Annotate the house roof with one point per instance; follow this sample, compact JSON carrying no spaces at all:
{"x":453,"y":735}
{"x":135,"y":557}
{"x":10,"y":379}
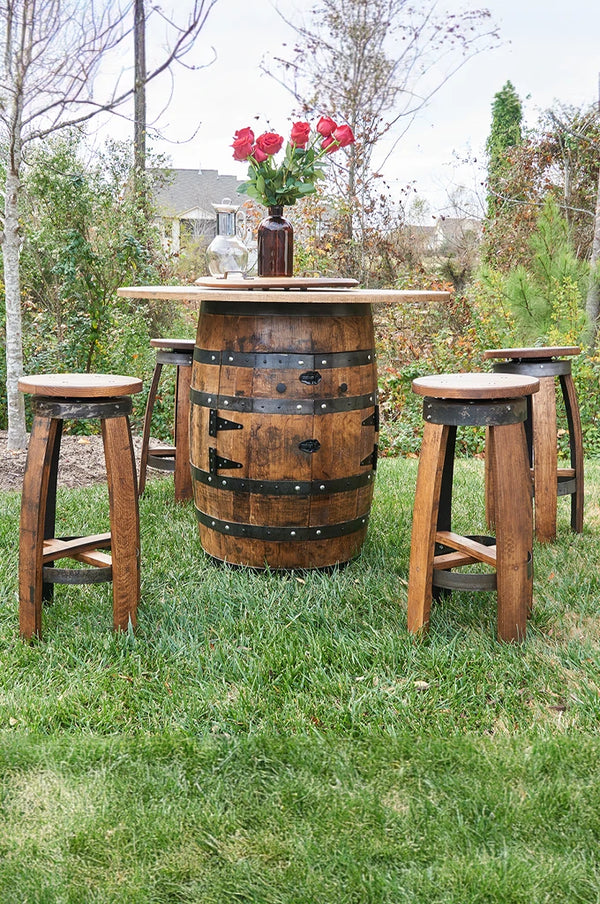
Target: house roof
{"x":189,"y":193}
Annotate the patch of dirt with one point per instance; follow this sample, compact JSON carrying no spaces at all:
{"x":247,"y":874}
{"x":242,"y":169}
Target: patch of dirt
{"x":81,"y":462}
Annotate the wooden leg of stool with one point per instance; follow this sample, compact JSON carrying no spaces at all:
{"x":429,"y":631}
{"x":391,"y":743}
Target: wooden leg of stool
{"x":146,"y":428}
{"x":490,"y":499}
{"x":576,"y":447}
{"x":424,"y":527}
{"x":50,"y":518}
{"x":514,"y":530}
{"x":545,"y":459}
{"x":33,"y":521}
{"x":124,"y":520}
{"x":183,"y":475}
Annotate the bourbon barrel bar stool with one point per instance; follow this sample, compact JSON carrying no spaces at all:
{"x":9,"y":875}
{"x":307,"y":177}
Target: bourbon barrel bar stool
{"x":496,"y":401}
{"x":55,"y":398}
{"x":549,"y":480}
{"x":175,"y":458}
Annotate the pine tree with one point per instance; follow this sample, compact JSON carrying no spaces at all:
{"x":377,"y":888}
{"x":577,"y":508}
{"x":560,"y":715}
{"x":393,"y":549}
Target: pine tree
{"x":505,"y":133}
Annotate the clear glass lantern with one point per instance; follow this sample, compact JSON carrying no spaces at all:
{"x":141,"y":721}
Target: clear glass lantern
{"x":227,"y":253}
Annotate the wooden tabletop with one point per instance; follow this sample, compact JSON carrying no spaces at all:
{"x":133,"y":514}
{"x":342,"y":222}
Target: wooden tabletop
{"x":285,"y":296}
{"x":535,"y":353}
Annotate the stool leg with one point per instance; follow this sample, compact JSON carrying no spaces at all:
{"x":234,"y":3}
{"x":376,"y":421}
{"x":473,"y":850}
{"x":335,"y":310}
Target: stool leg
{"x":576,"y":448}
{"x":146,"y":427}
{"x":514,"y":530}
{"x":36,"y":479}
{"x":50,"y":518}
{"x":424,"y":527}
{"x":545,"y":459}
{"x":444,"y":516}
{"x":489,"y":492}
{"x":124,"y":520}
{"x":183,"y":475}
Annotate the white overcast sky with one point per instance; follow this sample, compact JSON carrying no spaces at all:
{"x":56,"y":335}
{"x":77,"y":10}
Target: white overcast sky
{"x":550,"y":52}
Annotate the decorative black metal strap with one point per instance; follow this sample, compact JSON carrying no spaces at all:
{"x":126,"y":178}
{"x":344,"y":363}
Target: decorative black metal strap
{"x":460,"y":580}
{"x":372,"y":458}
{"x":161,"y":462}
{"x":489,"y":413}
{"x":283,"y":487}
{"x":178,"y":357}
{"x":217,"y":462}
{"x":216,"y":423}
{"x":548,"y":368}
{"x":566,"y":486}
{"x":93,"y":575}
{"x":307,"y":309}
{"x":285,"y":360}
{"x":76,"y":575}
{"x":80,"y":409}
{"x":373,"y":419}
{"x":282,"y":534}
{"x":259,"y":405}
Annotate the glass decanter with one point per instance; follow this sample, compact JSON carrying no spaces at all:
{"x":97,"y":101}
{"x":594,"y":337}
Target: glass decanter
{"x":227,"y":253}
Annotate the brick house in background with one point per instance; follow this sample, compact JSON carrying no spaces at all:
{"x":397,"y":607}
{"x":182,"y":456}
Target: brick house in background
{"x":184,"y":199}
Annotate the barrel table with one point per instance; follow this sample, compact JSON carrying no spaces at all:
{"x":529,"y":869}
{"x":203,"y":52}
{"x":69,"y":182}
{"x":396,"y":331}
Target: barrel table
{"x":284,"y":417}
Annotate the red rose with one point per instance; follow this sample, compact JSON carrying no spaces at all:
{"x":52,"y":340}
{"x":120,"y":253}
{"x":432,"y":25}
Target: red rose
{"x":244,"y":135}
{"x":242,"y":145}
{"x":269,"y":143}
{"x":344,"y":136}
{"x":326,"y":126}
{"x":258,"y":155}
{"x":329,"y":144}
{"x":300,"y":134}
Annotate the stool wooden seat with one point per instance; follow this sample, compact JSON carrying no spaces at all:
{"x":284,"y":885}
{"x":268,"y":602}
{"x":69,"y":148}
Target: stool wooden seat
{"x":549,"y":481}
{"x":57,"y":397}
{"x":176,"y":458}
{"x":497,"y":401}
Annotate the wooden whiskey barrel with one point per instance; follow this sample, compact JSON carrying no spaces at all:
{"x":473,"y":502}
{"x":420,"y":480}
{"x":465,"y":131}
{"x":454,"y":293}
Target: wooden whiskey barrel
{"x":284,"y":423}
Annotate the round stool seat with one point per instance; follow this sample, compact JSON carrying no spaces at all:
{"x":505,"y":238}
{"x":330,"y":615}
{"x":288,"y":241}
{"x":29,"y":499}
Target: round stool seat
{"x":474,"y":386}
{"x":79,"y":386}
{"x":184,"y":345}
{"x":533,"y":354}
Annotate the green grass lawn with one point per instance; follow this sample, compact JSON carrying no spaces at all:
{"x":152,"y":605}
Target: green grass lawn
{"x":281,"y":738}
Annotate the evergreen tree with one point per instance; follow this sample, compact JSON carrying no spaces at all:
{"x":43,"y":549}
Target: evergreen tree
{"x":505,"y":133}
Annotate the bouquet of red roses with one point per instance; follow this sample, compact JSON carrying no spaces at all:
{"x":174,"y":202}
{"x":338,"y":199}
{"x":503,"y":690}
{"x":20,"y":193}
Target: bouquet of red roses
{"x":302,"y":166}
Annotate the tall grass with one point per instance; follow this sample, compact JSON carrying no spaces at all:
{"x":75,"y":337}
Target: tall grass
{"x":281,"y":738}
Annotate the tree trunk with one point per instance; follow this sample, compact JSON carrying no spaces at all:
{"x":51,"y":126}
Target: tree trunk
{"x":17,"y":434}
{"x":139,"y":139}
{"x":592,"y":305}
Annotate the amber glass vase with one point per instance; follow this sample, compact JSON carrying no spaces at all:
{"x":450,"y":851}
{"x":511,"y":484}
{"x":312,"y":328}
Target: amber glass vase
{"x":275,"y":245}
